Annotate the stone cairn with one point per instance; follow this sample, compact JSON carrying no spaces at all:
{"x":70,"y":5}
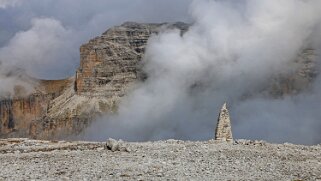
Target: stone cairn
{"x":223,"y":130}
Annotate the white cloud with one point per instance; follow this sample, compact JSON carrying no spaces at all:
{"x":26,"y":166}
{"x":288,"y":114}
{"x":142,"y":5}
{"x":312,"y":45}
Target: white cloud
{"x":229,"y":54}
{"x":40,"y":52}
{"x":43,"y":48}
{"x":43,"y":36}
{"x":9,"y":3}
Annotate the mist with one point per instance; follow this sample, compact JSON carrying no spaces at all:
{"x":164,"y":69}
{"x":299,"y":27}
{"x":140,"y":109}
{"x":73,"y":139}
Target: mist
{"x":8,"y":3}
{"x":231,"y":53}
{"x":41,"y":38}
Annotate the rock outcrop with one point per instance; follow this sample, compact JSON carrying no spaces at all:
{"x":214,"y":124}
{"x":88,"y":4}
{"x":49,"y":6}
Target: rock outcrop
{"x":18,"y":115}
{"x":304,"y":72}
{"x":223,"y":131}
{"x":109,"y":65}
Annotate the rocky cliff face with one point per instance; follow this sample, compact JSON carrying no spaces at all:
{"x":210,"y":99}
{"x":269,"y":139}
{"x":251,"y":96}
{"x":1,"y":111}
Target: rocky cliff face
{"x":110,"y":62}
{"x":18,"y":114}
{"x":109,"y":65}
{"x":304,"y":72}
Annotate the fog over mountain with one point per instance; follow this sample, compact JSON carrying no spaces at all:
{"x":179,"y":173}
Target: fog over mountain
{"x":43,"y":36}
{"x":231,"y":53}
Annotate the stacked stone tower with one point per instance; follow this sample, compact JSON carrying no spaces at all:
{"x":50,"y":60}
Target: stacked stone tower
{"x":223,"y":130}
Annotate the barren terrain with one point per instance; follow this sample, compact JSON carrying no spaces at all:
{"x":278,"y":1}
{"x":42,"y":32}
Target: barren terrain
{"x":24,"y":159}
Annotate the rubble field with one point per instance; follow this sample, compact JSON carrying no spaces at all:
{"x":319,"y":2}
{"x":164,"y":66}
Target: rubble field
{"x":24,"y":159}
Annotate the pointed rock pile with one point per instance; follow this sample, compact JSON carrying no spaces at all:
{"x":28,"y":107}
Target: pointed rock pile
{"x":223,"y":130}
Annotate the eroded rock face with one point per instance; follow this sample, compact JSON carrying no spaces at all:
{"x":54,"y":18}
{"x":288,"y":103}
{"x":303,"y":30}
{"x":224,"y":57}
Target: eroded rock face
{"x":304,"y":72}
{"x":18,"y":115}
{"x":109,"y":65}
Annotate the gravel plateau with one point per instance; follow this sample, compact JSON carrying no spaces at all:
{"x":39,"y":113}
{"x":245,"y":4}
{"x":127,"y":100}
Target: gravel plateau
{"x":25,"y":159}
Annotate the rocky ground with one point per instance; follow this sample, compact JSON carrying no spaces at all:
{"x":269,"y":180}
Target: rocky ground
{"x":24,"y":159}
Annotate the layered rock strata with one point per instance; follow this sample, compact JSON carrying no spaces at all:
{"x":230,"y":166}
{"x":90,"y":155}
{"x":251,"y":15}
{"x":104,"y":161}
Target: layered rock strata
{"x":109,"y":64}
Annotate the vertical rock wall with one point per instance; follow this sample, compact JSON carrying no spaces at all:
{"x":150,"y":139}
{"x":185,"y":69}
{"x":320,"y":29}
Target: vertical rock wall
{"x":17,"y":114}
{"x":109,"y":63}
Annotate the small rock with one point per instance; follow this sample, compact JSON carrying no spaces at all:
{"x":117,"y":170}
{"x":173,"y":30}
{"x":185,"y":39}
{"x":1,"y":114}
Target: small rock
{"x":99,"y":149}
{"x":115,"y":145}
{"x":111,"y":144}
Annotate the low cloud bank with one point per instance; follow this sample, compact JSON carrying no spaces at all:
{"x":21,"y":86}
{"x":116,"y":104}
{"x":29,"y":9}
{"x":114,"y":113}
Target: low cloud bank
{"x":42,"y":38}
{"x":233,"y":51}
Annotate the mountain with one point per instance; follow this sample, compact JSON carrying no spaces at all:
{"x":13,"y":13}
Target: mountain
{"x":110,"y":65}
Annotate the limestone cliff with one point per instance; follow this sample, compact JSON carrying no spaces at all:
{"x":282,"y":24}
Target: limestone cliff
{"x":304,"y":72}
{"x":18,"y":114}
{"x":109,"y":64}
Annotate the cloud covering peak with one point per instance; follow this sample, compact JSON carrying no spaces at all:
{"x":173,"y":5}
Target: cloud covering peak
{"x":232,"y":52}
{"x":43,"y":37}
